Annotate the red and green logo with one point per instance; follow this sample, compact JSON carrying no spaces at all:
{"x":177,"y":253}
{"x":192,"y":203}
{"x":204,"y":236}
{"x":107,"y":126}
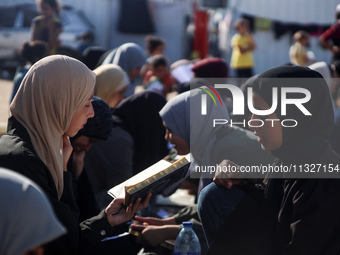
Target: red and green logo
{"x":204,"y":98}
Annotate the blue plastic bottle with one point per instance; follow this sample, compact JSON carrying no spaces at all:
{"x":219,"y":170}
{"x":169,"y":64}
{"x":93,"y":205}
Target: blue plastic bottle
{"x":187,"y":242}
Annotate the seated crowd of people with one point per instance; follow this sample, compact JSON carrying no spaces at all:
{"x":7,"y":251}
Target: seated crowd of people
{"x":74,"y":134}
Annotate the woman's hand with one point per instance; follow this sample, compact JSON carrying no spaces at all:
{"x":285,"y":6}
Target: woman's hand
{"x":155,"y":221}
{"x":155,"y":235}
{"x":67,"y":151}
{"x":226,"y":178}
{"x":117,"y":213}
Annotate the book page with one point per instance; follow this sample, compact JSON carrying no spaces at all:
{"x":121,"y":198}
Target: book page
{"x":119,"y":190}
{"x":155,"y":177}
{"x":183,"y":73}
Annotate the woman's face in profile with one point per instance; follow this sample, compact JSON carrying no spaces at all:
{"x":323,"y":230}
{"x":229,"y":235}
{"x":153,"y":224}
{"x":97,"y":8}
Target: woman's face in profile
{"x":79,"y":119}
{"x":179,"y":143}
{"x":133,"y":73}
{"x":270,"y":133}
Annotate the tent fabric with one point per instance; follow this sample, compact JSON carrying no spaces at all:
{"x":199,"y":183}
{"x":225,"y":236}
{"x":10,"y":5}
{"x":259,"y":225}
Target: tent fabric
{"x":302,"y":11}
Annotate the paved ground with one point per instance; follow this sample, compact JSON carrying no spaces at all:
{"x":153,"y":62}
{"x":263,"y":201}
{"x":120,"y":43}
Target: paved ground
{"x":5,"y":93}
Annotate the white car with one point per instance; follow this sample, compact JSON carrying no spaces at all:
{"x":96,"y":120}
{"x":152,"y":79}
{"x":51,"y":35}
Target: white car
{"x":15,"y":24}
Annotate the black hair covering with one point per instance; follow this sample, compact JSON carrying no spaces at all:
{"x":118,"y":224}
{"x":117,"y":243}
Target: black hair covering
{"x":139,"y":115}
{"x":100,"y":125}
{"x":308,"y":139}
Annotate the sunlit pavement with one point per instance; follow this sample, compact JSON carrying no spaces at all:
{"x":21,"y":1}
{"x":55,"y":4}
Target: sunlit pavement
{"x":5,"y":93}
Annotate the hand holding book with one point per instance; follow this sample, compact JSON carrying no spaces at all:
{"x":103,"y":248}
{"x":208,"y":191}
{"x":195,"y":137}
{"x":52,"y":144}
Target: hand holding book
{"x":116,"y":213}
{"x":152,"y":180}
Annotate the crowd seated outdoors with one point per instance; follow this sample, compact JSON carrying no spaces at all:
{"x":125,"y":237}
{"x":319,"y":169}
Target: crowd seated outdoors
{"x":74,"y":134}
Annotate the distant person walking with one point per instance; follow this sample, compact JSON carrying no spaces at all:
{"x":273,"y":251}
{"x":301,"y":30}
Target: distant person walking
{"x":47,"y":27}
{"x":243,"y":46}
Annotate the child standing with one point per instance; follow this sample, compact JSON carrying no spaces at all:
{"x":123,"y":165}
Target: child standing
{"x":243,"y":46}
{"x":298,"y":52}
{"x":155,"y":46}
{"x":47,"y":27}
{"x":160,"y":69}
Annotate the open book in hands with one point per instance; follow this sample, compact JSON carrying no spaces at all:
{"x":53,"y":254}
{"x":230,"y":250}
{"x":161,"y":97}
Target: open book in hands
{"x":152,"y":180}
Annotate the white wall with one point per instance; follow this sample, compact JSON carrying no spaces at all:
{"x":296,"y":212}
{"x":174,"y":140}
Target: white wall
{"x":97,"y":12}
{"x":169,"y":24}
{"x":103,"y":14}
{"x":271,"y":52}
{"x":305,"y":11}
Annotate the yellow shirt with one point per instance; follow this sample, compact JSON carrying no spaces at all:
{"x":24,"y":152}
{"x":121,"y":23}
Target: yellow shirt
{"x":239,"y":60}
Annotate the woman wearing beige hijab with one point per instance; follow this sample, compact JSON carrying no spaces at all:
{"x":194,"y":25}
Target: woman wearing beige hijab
{"x":111,"y":83}
{"x":52,"y":104}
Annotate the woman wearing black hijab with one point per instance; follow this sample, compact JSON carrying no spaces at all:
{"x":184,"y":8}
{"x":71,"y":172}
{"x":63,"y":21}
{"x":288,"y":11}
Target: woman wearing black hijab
{"x":135,"y":143}
{"x":298,"y":213}
{"x":138,"y":115}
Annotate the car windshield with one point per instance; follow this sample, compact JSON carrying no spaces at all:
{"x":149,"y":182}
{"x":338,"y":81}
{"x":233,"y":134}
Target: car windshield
{"x":73,"y":20}
{"x":7,"y":16}
{"x":29,"y":15}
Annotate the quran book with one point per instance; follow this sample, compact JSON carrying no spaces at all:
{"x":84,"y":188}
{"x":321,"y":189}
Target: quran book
{"x":153,"y":180}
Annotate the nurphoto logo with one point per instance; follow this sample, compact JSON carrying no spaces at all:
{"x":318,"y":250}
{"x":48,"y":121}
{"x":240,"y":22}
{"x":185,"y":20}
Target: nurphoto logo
{"x":204,"y":98}
{"x":238,"y":102}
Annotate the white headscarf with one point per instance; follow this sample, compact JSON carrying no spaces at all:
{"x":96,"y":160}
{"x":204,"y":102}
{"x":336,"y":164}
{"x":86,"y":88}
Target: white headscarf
{"x":182,"y":114}
{"x":27,"y":219}
{"x":52,"y":91}
{"x":324,"y":69}
{"x":110,"y":78}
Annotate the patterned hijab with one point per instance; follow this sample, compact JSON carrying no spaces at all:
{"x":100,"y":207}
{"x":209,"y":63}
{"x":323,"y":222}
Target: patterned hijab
{"x":53,"y":90}
{"x":27,"y":219}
